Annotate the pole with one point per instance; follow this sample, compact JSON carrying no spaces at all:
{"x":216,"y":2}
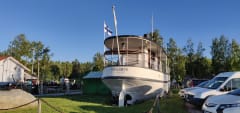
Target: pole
{"x":38,"y":77}
{"x":32,"y":59}
{"x":115,"y":23}
{"x":150,"y":54}
{"x":152,"y":25}
{"x":151,"y":45}
{"x":112,"y":51}
{"x":104,"y":44}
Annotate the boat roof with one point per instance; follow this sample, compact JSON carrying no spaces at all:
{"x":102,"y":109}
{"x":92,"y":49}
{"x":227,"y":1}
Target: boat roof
{"x":134,"y":43}
{"x":95,"y":74}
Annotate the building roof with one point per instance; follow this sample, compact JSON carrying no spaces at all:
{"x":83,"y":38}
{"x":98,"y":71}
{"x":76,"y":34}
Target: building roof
{"x":96,"y":74}
{"x":29,"y":76}
{"x":3,"y":57}
{"x":14,"y":60}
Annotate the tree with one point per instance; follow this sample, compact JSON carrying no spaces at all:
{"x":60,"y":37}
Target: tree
{"x":75,"y":69}
{"x":98,"y":62}
{"x":20,"y":48}
{"x":66,"y":68}
{"x":177,"y":61}
{"x":179,"y":66}
{"x":172,"y":53}
{"x":202,"y":65}
{"x":189,"y":51}
{"x":156,"y":37}
{"x":41,"y":55}
{"x":235,"y":56}
{"x":85,"y":68}
{"x":220,"y":51}
{"x":200,"y":50}
{"x":44,"y":63}
{"x":25,"y":51}
{"x":55,"y":70}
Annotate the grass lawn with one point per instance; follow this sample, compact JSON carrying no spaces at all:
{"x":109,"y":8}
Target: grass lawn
{"x":100,"y":104}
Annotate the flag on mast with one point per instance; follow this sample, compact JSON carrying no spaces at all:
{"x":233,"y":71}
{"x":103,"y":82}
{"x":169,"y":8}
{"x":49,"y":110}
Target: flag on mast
{"x":107,"y":29}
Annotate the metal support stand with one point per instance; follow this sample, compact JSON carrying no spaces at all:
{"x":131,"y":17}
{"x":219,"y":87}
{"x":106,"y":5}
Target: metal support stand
{"x":121,"y":99}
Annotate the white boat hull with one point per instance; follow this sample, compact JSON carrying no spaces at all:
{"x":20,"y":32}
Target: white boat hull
{"x":136,"y":82}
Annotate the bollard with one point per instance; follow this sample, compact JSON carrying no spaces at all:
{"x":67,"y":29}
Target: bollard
{"x":39,"y":106}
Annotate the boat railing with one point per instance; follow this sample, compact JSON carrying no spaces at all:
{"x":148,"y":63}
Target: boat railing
{"x":116,"y":63}
{"x":131,"y":61}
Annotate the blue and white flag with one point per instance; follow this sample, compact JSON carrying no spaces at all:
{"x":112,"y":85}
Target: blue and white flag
{"x":107,"y":30}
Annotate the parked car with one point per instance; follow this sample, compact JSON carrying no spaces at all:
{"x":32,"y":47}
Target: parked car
{"x":227,"y":103}
{"x":220,"y":84}
{"x":196,"y":82}
{"x":182,"y":92}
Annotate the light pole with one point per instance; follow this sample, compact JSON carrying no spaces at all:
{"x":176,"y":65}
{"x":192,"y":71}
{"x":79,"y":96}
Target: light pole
{"x":38,"y":81}
{"x":32,"y":59}
{"x":40,"y":92}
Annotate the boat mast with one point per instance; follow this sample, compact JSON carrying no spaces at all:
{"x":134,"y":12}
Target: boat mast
{"x":151,"y":45}
{"x":152,"y":25}
{"x":115,"y":23}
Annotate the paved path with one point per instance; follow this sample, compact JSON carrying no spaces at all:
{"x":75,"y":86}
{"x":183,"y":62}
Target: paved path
{"x":60,"y":94}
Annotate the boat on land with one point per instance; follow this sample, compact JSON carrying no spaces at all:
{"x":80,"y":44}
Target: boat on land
{"x":136,"y":69}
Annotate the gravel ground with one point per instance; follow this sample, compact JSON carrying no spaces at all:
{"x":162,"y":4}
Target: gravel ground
{"x":15,"y":97}
{"x":192,"y":108}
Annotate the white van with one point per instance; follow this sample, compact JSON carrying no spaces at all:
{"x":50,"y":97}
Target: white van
{"x":220,"y":84}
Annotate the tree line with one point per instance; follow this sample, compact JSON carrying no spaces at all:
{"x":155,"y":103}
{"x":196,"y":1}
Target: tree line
{"x":183,"y":62}
{"x":34,"y":54}
{"x":190,"y":62}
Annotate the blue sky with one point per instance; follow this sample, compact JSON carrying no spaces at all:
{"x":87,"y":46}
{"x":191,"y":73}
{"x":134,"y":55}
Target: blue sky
{"x":73,"y":29}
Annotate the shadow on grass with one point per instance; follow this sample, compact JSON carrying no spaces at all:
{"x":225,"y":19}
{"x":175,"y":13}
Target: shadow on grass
{"x":86,"y":98}
{"x":137,"y":108}
{"x":101,"y":104}
{"x":73,"y":103}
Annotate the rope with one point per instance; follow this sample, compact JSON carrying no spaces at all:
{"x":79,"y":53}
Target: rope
{"x":32,"y":102}
{"x":20,"y":105}
{"x":51,"y":106}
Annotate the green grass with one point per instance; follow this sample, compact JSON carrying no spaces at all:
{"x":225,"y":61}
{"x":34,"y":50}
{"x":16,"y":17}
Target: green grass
{"x":100,"y":104}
